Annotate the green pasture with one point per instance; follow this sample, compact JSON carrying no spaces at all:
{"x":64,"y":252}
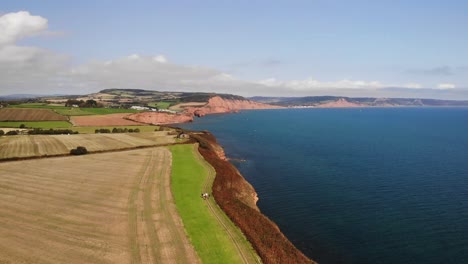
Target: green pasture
{"x":36,"y":124}
{"x":210,"y":240}
{"x":75,"y":111}
{"x":160,"y":105}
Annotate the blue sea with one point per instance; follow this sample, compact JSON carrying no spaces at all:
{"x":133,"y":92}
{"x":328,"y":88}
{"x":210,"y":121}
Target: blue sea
{"x":371,"y":185}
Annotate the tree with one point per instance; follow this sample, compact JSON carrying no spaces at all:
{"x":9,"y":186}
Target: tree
{"x":79,"y":151}
{"x":136,"y":130}
{"x":2,"y":132}
{"x":90,"y":103}
{"x":22,"y":126}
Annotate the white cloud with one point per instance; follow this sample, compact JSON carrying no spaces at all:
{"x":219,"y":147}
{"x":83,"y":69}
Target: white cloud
{"x":36,"y":70}
{"x":15,"y":26}
{"x":312,"y":84}
{"x":160,"y":59}
{"x":444,"y":86}
{"x":413,"y":86}
{"x":22,"y":67}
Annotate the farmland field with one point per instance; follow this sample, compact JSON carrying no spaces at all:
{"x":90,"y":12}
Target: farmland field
{"x":160,"y":105}
{"x":25,"y":114}
{"x":103,"y":120}
{"x":40,"y":145}
{"x":91,"y":209}
{"x":36,"y":124}
{"x":74,"y":111}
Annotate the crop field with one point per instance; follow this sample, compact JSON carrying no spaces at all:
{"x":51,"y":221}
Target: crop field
{"x":41,"y":145}
{"x":25,"y":114}
{"x":36,"y":124}
{"x":214,"y":236}
{"x":102,"y":208}
{"x":103,"y":120}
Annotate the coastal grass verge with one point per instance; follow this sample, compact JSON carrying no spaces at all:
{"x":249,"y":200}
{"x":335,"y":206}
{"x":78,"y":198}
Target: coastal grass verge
{"x":207,"y":234}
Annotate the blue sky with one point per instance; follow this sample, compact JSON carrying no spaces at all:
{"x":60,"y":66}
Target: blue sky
{"x":294,"y":48}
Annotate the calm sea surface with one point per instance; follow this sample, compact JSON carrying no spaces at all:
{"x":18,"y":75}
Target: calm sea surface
{"x":357,"y":185}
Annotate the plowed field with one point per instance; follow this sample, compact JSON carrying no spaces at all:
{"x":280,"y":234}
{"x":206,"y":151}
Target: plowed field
{"x":23,"y":114}
{"x":104,"y":208}
{"x":103,"y":120}
{"x":40,"y":145}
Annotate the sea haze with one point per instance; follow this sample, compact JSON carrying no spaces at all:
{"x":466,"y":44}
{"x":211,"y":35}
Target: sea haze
{"x":370,"y":185}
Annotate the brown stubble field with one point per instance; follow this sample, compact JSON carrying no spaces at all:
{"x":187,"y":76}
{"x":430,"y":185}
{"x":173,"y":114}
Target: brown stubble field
{"x":25,"y":114}
{"x":103,"y":120}
{"x":40,"y":145}
{"x":91,"y":209}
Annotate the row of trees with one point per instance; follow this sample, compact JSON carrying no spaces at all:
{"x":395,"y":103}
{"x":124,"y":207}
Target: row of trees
{"x":117,"y":130}
{"x":80,"y":103}
{"x":9,"y":133}
{"x":40,"y":131}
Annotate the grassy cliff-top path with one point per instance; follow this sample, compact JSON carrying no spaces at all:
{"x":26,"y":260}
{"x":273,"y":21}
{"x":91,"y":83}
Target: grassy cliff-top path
{"x":215,"y":238}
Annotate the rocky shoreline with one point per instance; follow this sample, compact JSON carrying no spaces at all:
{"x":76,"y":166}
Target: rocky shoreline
{"x":238,"y":200}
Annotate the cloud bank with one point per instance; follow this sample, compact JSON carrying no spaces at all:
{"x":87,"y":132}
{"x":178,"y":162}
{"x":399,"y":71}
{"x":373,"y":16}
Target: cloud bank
{"x":26,"y":69}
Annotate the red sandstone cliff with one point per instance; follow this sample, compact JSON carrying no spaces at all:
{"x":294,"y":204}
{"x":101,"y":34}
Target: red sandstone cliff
{"x":218,"y":105}
{"x":238,"y":200}
{"x":215,"y":105}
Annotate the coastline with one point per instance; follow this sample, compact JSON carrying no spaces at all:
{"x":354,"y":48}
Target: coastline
{"x":237,"y":198}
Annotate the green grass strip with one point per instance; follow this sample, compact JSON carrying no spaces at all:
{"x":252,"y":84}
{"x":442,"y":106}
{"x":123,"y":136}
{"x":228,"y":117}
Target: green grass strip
{"x":36,"y":124}
{"x":207,"y":236}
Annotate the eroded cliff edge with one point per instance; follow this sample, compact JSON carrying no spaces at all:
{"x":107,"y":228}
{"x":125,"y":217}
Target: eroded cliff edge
{"x":238,"y":200}
{"x":215,"y":105}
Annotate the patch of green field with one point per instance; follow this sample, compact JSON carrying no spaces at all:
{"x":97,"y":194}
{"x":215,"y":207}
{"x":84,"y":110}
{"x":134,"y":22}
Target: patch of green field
{"x":72,"y":111}
{"x":37,"y":124}
{"x":210,"y":240}
{"x":75,"y":111}
{"x":106,"y":111}
{"x":33,"y":105}
{"x":91,"y":129}
{"x":160,"y":105}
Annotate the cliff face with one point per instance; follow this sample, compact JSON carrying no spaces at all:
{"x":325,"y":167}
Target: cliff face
{"x":218,"y":105}
{"x":159,"y":118}
{"x":340,"y":103}
{"x":215,"y":105}
{"x":237,"y":198}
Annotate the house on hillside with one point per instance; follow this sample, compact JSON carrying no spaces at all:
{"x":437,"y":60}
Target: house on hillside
{"x":183,"y":135}
{"x":137,"y":107}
